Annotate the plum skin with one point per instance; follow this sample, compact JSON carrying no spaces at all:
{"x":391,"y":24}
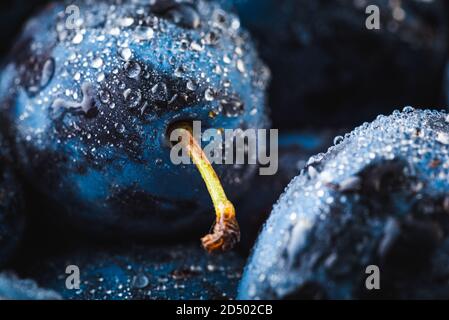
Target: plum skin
{"x":99,"y":154}
{"x":295,"y":148}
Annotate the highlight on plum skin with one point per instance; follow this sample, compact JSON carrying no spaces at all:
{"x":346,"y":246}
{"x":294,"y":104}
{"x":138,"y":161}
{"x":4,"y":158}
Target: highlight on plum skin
{"x":225,"y":231}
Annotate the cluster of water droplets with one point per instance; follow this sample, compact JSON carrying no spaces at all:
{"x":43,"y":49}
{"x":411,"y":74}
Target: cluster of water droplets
{"x":144,"y":273}
{"x":125,"y":53}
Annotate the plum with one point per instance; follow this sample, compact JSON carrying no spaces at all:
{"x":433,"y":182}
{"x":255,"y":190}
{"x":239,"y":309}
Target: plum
{"x":88,"y":101}
{"x":330,"y":70}
{"x":377,"y":198}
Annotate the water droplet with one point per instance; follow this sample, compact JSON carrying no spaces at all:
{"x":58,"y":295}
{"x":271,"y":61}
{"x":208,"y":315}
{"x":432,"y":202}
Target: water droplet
{"x":133,"y":69}
{"x":105,"y":96}
{"x":159,"y":92}
{"x":100,"y":77}
{"x":48,"y":71}
{"x":352,"y":183}
{"x":184,"y":45}
{"x":219,"y":18}
{"x":126,"y":22}
{"x":126,"y":54}
{"x":120,"y":127}
{"x":226,"y":59}
{"x":195,"y":46}
{"x":191,"y":85}
{"x":338,"y":140}
{"x":241,"y":66}
{"x":232,"y":106}
{"x":443,"y":137}
{"x":179,"y":71}
{"x":235,"y":24}
{"x":172,"y":60}
{"x":209,"y":94}
{"x":211,"y":38}
{"x":140,"y":281}
{"x":78,"y":38}
{"x":97,"y":63}
{"x":114,"y":31}
{"x":132,"y":97}
{"x":239,"y":51}
{"x":144,"y":33}
{"x":408,"y":109}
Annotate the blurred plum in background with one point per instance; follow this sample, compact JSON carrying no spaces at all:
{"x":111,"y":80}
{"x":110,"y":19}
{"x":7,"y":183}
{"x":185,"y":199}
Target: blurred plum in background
{"x":328,"y":69}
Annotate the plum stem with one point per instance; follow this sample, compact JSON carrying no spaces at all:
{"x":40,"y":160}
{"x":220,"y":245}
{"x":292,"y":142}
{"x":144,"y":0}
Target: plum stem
{"x":226,"y":232}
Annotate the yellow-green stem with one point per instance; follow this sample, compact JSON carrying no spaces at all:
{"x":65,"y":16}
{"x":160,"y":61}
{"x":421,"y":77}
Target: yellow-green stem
{"x":226,"y":231}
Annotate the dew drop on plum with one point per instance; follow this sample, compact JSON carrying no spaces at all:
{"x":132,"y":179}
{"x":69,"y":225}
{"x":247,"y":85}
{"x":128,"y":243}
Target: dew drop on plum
{"x":159,"y":92}
{"x":132,"y":97}
{"x":105,"y":96}
{"x":140,"y":281}
{"x":232,"y":106}
{"x":47,"y":72}
{"x":209,"y":94}
{"x":133,"y":69}
{"x":191,"y":85}
{"x":338,"y":140}
{"x":97,"y":63}
{"x":126,"y":54}
{"x":126,"y":22}
{"x":211,"y":38}
{"x":144,"y":33}
{"x":78,"y":38}
{"x":179,"y":72}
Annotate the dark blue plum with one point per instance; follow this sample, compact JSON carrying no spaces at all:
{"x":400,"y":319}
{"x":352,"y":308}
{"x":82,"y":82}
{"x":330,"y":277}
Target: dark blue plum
{"x":89,"y":109}
{"x":378,"y":197}
{"x":329,"y":69}
{"x":180,"y":272}
{"x":12,"y":215}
